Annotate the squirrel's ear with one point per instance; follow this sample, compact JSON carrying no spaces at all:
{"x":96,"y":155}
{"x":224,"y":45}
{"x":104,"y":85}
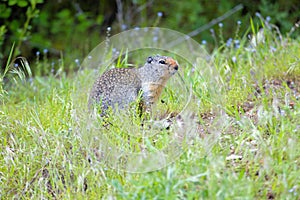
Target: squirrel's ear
{"x":149,"y":59}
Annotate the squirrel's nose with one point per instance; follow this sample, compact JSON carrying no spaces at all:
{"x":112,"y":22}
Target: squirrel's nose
{"x":172,"y":63}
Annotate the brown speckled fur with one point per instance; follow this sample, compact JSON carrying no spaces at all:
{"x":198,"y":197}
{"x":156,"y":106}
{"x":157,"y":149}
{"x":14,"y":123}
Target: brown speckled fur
{"x":122,"y":86}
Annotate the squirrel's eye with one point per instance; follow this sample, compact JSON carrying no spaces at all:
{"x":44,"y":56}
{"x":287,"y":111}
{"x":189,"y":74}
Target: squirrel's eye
{"x":162,"y":62}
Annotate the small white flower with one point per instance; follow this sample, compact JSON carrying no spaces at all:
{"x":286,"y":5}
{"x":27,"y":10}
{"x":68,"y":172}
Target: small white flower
{"x":159,"y":14}
{"x":228,"y":43}
{"x":123,"y":27}
{"x":233,"y":59}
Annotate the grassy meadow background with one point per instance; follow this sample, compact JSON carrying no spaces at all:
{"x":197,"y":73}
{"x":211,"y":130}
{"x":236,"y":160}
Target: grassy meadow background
{"x":253,"y":154}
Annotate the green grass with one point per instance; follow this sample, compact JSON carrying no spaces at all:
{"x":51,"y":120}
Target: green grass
{"x":249,"y":153}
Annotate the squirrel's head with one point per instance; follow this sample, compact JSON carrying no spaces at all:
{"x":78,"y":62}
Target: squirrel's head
{"x":162,"y":65}
{"x":155,"y":74}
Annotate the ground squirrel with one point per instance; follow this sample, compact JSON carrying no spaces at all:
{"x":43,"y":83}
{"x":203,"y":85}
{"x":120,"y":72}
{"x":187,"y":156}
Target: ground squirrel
{"x":122,"y":86}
